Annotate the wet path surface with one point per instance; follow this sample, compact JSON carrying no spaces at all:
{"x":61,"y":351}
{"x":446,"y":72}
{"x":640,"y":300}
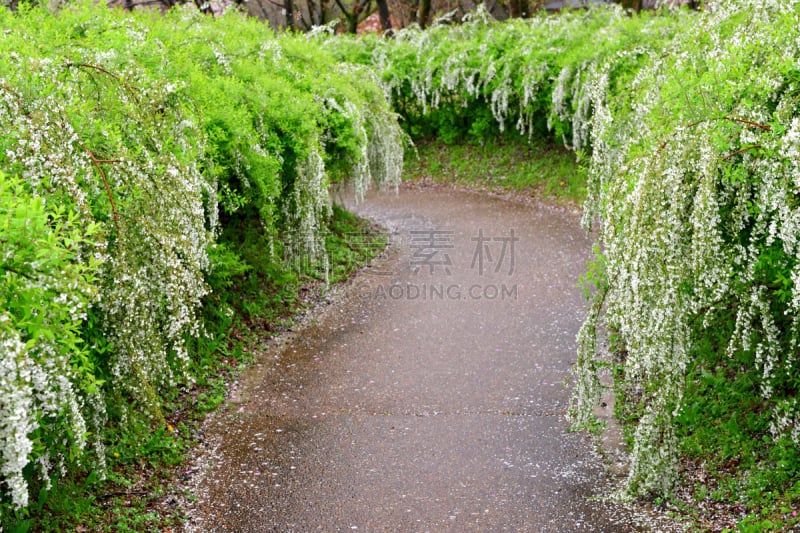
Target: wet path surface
{"x":430,"y":397}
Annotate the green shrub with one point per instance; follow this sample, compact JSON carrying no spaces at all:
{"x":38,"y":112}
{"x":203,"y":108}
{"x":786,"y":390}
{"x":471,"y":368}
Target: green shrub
{"x":694,"y":182}
{"x":479,"y":79}
{"x":140,"y":146}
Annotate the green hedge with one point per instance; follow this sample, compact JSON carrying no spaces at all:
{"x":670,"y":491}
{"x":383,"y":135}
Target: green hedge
{"x":133,"y":147}
{"x":528,"y":77}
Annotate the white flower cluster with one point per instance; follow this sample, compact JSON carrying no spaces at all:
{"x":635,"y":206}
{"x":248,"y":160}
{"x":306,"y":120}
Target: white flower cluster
{"x":506,"y":67}
{"x":380,"y":158}
{"x":309,"y":208}
{"x":151,"y":254}
{"x":16,"y":413}
{"x":126,"y":151}
{"x":691,"y":123}
{"x":694,"y":179}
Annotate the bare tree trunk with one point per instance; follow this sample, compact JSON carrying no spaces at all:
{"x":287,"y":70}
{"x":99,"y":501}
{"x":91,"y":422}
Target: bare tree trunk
{"x":288,"y":10}
{"x":635,"y":5}
{"x":412,"y":11}
{"x":383,"y":13}
{"x":323,"y":12}
{"x":424,"y":13}
{"x":351,"y":18}
{"x":263,"y":15}
{"x":519,"y":8}
{"x":361,"y":10}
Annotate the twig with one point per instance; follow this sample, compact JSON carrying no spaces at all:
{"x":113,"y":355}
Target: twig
{"x":93,"y":67}
{"x":752,"y":123}
{"x":17,"y":272}
{"x":108,"y":495}
{"x":130,"y":88}
{"x":737,"y":152}
{"x":749,"y":123}
{"x":110,"y":195}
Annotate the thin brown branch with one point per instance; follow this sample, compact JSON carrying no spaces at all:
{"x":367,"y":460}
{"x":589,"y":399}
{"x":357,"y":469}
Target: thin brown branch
{"x":344,"y":9}
{"x":93,"y":67}
{"x":130,"y":88}
{"x":752,"y":123}
{"x":97,"y":163}
{"x":748,"y":122}
{"x":741,"y":150}
{"x":114,"y":494}
{"x":17,"y":272}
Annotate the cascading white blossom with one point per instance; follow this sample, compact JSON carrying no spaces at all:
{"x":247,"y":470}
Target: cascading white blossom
{"x":669,"y":198}
{"x":119,"y":169}
{"x":688,"y":122}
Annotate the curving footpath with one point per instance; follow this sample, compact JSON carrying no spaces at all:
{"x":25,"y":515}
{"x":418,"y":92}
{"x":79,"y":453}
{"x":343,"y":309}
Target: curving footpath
{"x":429,"y":397}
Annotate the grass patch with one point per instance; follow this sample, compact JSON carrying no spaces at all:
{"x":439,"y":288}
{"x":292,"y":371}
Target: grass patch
{"x":351,"y":243}
{"x":539,"y":169}
{"x":735,"y":475}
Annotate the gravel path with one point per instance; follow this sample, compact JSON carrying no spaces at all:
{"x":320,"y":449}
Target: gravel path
{"x":429,"y":397}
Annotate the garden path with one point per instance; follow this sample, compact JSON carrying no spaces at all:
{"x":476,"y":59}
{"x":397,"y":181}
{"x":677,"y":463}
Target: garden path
{"x":429,"y":396}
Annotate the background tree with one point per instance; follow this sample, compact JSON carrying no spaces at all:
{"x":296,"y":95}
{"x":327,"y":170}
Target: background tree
{"x":288,"y":11}
{"x":634,"y":5}
{"x":518,"y":8}
{"x":385,"y":16}
{"x":424,"y":13}
{"x":356,"y":13}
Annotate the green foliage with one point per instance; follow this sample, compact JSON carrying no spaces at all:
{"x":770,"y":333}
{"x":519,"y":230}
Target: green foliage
{"x":352,"y":242}
{"x":477,"y":80}
{"x":693,"y":179}
{"x":538,"y":167}
{"x":47,"y":370}
{"x":152,"y":163}
{"x":176,"y":171}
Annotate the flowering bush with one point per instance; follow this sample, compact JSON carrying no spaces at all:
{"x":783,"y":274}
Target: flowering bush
{"x":129,"y":145}
{"x":133,"y":145}
{"x":47,"y":375}
{"x":694,"y":179}
{"x":533,"y":76}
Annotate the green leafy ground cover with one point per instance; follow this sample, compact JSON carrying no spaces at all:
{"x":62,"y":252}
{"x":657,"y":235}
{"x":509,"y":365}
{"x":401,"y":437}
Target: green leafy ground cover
{"x":538,"y":169}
